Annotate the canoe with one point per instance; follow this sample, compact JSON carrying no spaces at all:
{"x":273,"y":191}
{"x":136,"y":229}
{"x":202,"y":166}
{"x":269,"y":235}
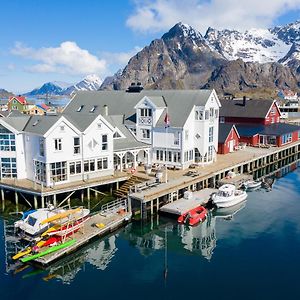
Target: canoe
{"x":22,"y":253}
{"x":60,"y":215}
{"x":49,"y":250}
{"x":51,"y":229}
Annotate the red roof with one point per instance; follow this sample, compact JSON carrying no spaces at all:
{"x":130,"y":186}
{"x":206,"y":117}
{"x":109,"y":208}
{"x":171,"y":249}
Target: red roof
{"x":44,"y":106}
{"x":20,"y":99}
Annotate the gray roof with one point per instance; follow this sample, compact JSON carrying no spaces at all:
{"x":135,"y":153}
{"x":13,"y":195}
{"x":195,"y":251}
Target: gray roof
{"x":179,"y":103}
{"x":129,"y":142}
{"x":252,"y":109}
{"x":40,"y":124}
{"x":4,"y":113}
{"x":17,"y":122}
{"x":224,"y":130}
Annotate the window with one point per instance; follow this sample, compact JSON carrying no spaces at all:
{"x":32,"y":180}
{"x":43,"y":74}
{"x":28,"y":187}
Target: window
{"x":176,"y":138}
{"x":7,"y":140}
{"x":99,"y":125}
{"x":75,"y":167}
{"x":58,"y":171}
{"x":133,"y":130}
{"x":102,"y":163}
{"x":57,"y":144}
{"x":8,"y":167}
{"x":62,"y":128}
{"x":89,"y":165}
{"x":199,"y":115}
{"x":146,"y":133}
{"x":210,"y":153}
{"x":206,"y":114}
{"x":216,"y":113}
{"x":116,"y":135}
{"x":211,"y":113}
{"x":42,"y":147}
{"x":80,"y":108}
{"x":40,"y":171}
{"x":93,"y":108}
{"x":146,"y":112}
{"x":286,"y":138}
{"x":76,"y":145}
{"x":211,"y":134}
{"x":222,"y":119}
{"x":104,"y":142}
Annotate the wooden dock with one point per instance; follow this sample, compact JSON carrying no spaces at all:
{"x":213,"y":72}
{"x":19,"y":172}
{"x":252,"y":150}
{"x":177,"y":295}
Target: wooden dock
{"x":183,"y":205}
{"x":87,"y":234}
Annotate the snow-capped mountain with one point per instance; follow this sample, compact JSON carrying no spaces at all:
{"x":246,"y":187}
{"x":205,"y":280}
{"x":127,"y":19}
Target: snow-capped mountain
{"x":255,"y":45}
{"x":89,"y":83}
{"x":57,"y":88}
{"x":289,"y":33}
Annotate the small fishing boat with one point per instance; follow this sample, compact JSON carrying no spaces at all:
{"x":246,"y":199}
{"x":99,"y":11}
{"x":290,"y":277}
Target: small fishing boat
{"x":228,"y":195}
{"x":252,"y":184}
{"x":193,"y":216}
{"x":39,"y":221}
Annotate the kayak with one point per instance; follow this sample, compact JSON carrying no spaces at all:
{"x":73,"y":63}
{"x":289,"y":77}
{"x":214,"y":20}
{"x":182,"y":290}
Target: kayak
{"x":49,"y":250}
{"x":22,"y":253}
{"x":61,"y":215}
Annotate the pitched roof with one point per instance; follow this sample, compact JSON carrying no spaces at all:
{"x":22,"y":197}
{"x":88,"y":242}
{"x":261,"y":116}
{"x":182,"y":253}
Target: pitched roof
{"x":179,"y":102}
{"x":252,"y":108}
{"x":224,"y":131}
{"x":40,"y":124}
{"x":20,"y":99}
{"x":276,"y":129}
{"x":17,"y":122}
{"x":129,"y":142}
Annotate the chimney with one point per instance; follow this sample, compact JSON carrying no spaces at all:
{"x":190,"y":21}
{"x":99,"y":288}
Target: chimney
{"x":244,"y":100}
{"x":105,"y":110}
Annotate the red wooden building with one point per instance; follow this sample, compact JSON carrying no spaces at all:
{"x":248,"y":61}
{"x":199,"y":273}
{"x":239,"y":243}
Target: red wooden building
{"x":244,"y":111}
{"x":228,"y":138}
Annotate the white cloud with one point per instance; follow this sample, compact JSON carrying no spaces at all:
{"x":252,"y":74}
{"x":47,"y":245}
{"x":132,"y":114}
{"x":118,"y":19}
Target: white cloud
{"x":158,"y":15}
{"x":68,"y":58}
{"x":120,"y":58}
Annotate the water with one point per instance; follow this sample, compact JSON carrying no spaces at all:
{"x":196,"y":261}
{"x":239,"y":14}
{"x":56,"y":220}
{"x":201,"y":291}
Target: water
{"x":59,"y":101}
{"x":250,"y":252}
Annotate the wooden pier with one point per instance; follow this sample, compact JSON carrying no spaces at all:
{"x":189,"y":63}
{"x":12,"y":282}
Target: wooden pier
{"x":111,"y":217}
{"x":254,"y":161}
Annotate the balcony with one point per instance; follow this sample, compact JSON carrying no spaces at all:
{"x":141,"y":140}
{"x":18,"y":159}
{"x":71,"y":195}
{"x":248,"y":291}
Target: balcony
{"x":145,"y":120}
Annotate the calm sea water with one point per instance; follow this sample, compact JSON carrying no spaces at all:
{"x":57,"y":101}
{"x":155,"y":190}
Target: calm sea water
{"x":249,"y":252}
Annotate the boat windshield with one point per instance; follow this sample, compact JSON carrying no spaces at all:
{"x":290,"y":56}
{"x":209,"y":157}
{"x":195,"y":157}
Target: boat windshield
{"x":224,"y":194}
{"x":31,"y":221}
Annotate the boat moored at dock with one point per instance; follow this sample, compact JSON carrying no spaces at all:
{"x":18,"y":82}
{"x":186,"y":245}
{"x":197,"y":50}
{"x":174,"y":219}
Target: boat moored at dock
{"x":193,"y":216}
{"x":228,"y":195}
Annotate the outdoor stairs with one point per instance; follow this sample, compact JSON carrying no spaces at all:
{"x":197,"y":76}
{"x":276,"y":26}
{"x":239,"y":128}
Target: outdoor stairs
{"x":123,"y":191}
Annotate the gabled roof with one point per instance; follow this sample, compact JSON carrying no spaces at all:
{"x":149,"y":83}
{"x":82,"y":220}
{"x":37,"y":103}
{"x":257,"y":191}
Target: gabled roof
{"x":252,"y":108}
{"x":40,"y":124}
{"x":224,"y":131}
{"x":129,"y":142}
{"x":20,"y":99}
{"x":17,"y":123}
{"x":179,"y":103}
{"x":276,"y":129}
{"x":4,"y":113}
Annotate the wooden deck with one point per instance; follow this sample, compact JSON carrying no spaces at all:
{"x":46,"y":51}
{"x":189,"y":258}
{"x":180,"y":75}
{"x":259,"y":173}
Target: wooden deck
{"x":183,"y":205}
{"x":87,"y":233}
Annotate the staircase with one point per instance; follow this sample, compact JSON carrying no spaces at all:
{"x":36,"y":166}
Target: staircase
{"x":123,"y":191}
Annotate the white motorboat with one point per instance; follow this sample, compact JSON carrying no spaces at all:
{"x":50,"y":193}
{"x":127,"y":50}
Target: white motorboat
{"x":228,"y":195}
{"x":252,"y":184}
{"x":33,"y":224}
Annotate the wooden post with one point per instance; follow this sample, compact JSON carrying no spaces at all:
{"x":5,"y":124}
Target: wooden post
{"x":151,"y":208}
{"x":82,"y":195}
{"x":2,"y":199}
{"x":54,"y":200}
{"x":42,"y":201}
{"x":88,"y":193}
{"x":110,"y":188}
{"x":157,"y":205}
{"x":117,"y":185}
{"x":35,"y":203}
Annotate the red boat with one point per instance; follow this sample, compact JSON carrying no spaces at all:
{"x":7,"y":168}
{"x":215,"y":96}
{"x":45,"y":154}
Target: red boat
{"x":193,"y":216}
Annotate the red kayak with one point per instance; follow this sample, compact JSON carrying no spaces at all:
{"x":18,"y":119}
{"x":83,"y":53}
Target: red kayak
{"x":193,"y":216}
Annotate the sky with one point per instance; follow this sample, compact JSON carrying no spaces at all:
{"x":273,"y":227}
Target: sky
{"x":65,"y":40}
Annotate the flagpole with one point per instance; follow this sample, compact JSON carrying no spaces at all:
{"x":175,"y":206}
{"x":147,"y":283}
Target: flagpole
{"x":166,"y":127}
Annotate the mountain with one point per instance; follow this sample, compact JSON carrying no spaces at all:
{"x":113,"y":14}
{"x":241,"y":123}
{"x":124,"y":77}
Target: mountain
{"x":89,"y":83}
{"x":4,"y":94}
{"x":56,"y":88}
{"x":227,"y":60}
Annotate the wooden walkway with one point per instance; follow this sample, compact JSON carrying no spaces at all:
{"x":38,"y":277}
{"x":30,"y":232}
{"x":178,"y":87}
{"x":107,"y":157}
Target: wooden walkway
{"x":87,"y":233}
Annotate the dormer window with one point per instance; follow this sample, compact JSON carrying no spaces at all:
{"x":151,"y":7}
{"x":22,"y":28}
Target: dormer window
{"x":35,"y":122}
{"x":117,"y":135}
{"x":93,"y":108}
{"x":146,"y":112}
{"x":80,"y":108}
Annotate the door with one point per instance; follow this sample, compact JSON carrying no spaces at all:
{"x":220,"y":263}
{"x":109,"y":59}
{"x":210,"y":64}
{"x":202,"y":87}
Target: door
{"x":231,"y":146}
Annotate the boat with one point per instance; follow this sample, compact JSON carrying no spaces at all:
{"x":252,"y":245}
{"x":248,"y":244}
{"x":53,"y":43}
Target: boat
{"x":22,"y":253}
{"x":252,"y":184}
{"x":39,"y":221}
{"x":228,"y":195}
{"x":193,"y":216}
{"x":48,"y":251}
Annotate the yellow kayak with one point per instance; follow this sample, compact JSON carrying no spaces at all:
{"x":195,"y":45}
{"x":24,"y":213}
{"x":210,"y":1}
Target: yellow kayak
{"x":22,"y":253}
{"x":53,"y":228}
{"x":60,"y":215}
